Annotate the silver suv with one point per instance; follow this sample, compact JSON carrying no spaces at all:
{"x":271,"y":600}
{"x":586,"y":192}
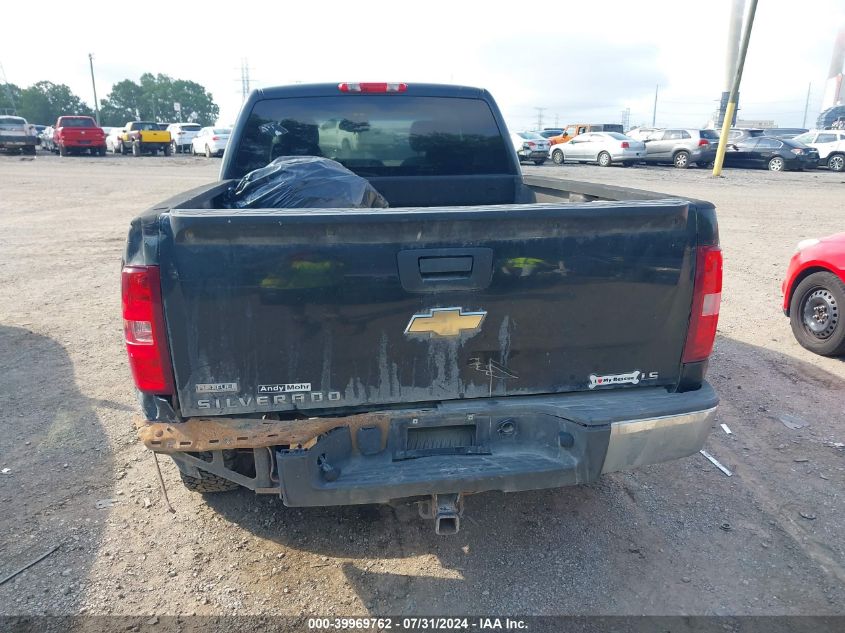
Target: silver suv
{"x":182,"y":134}
{"x":681,"y":147}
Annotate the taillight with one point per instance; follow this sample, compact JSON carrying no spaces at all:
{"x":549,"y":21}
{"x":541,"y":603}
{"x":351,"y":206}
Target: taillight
{"x":703,"y":142}
{"x":215,"y":138}
{"x":625,"y":145}
{"x":372,"y":87}
{"x":530,"y":144}
{"x":707,"y":295}
{"x":143,"y":327}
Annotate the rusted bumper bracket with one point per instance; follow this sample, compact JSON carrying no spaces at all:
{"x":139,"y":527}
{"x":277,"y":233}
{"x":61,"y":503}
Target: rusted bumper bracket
{"x":197,"y":435}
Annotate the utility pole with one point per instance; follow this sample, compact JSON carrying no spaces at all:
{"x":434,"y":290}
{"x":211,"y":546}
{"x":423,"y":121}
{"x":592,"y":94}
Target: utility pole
{"x":654,"y":112}
{"x":8,"y":93}
{"x":540,"y":117}
{"x":731,"y":107}
{"x":94,"y":86}
{"x":807,"y":105}
{"x":245,"y":81}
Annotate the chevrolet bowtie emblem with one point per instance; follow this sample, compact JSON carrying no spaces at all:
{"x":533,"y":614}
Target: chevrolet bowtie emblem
{"x":445,"y":322}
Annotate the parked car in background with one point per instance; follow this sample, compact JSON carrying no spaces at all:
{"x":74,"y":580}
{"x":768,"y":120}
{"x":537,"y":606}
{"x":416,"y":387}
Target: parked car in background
{"x":75,"y":134}
{"x":604,"y":148}
{"x":772,"y":153}
{"x":548,"y":132}
{"x":181,"y":135}
{"x":15,"y":135}
{"x":641,"y":133}
{"x":530,"y":146}
{"x":784,"y":132}
{"x":829,"y":143}
{"x":113,"y":140}
{"x":571,"y":131}
{"x":47,"y":139}
{"x":741,"y":134}
{"x":211,"y":141}
{"x":681,"y":147}
{"x":37,"y":130}
{"x":143,"y":137}
{"x":814,"y":294}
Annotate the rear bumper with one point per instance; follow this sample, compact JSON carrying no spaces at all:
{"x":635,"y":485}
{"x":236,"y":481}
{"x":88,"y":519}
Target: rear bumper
{"x":12,"y":140}
{"x":520,"y":443}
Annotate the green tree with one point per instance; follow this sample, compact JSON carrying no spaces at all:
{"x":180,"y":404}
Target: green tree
{"x":153,"y":99}
{"x":10,"y":98}
{"x":44,"y":102}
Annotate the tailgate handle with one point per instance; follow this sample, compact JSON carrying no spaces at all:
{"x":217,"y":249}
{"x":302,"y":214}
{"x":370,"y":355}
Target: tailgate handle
{"x":445,"y":266}
{"x":439,"y":269}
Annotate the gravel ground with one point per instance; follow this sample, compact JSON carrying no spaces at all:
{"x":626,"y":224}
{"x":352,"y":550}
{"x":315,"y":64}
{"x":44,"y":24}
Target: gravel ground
{"x":676,"y":538}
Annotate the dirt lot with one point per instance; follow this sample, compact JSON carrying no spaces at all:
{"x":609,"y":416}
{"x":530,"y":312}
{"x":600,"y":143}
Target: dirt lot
{"x":677,"y":538}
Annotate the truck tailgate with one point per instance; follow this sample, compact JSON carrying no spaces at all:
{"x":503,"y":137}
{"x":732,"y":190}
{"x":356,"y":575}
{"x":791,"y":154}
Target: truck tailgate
{"x":273,"y":310}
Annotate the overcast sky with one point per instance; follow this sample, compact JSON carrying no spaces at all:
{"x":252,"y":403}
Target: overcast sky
{"x":581,"y":61}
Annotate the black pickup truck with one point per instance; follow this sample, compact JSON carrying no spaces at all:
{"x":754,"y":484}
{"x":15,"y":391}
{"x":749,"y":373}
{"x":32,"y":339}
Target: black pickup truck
{"x":487,"y":331}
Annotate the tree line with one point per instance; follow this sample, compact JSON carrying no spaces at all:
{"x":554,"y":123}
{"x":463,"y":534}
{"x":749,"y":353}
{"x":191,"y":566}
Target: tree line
{"x":150,"y":99}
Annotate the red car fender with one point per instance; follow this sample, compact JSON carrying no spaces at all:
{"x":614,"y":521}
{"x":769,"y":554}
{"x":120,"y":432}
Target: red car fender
{"x":828,"y":254}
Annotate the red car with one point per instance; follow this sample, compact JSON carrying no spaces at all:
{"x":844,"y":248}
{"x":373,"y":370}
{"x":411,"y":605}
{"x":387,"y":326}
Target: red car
{"x":78,"y":134}
{"x":814,"y":294}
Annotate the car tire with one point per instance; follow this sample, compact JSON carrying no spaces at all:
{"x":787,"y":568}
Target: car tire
{"x":776,"y":163}
{"x":604,"y":159}
{"x":62,"y":150}
{"x":836,"y":162}
{"x":167,"y":150}
{"x":136,"y":148}
{"x":817,"y":314}
{"x":174,"y":148}
{"x":681,"y":160}
{"x":628,"y":163}
{"x":539,"y":161}
{"x":705,"y":165}
{"x":558,"y":157}
{"x":101,"y":151}
{"x":208,"y":483}
{"x":208,"y":153}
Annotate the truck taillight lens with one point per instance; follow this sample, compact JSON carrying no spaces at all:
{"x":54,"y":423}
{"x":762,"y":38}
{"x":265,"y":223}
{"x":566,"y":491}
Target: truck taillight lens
{"x":703,"y":142}
{"x":143,"y":327}
{"x":707,"y":296}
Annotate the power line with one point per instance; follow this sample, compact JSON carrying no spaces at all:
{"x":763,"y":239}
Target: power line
{"x":540,"y":117}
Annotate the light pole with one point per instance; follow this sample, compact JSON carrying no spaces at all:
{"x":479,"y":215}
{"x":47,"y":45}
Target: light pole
{"x":731,"y":108}
{"x":94,"y":86}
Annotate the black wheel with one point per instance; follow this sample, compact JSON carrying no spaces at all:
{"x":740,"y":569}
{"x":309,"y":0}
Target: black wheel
{"x":557,"y":157}
{"x":604,"y":159}
{"x":167,"y":150}
{"x":101,"y":150}
{"x":539,"y":161}
{"x":681,"y":160}
{"x":836,"y":162}
{"x":174,"y":148}
{"x":776,"y":164}
{"x":136,"y":148}
{"x":816,"y":314}
{"x":208,"y":153}
{"x":208,"y":483}
{"x":628,"y":163}
{"x":706,"y":165}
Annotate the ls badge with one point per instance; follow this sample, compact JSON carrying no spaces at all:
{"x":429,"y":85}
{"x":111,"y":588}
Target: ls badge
{"x":445,"y":322}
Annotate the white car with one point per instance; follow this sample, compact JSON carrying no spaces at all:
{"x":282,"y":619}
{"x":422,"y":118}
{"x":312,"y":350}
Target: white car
{"x":530,"y":146}
{"x":831,"y":146}
{"x":183,"y":135}
{"x":211,"y":141}
{"x":112,"y":142}
{"x":604,"y":148}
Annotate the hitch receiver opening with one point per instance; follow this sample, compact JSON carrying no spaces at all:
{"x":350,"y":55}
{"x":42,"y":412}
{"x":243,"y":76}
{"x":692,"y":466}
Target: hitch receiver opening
{"x":446,"y":510}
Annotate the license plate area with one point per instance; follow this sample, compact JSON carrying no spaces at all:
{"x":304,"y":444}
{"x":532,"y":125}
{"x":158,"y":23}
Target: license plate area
{"x":418,"y":437}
